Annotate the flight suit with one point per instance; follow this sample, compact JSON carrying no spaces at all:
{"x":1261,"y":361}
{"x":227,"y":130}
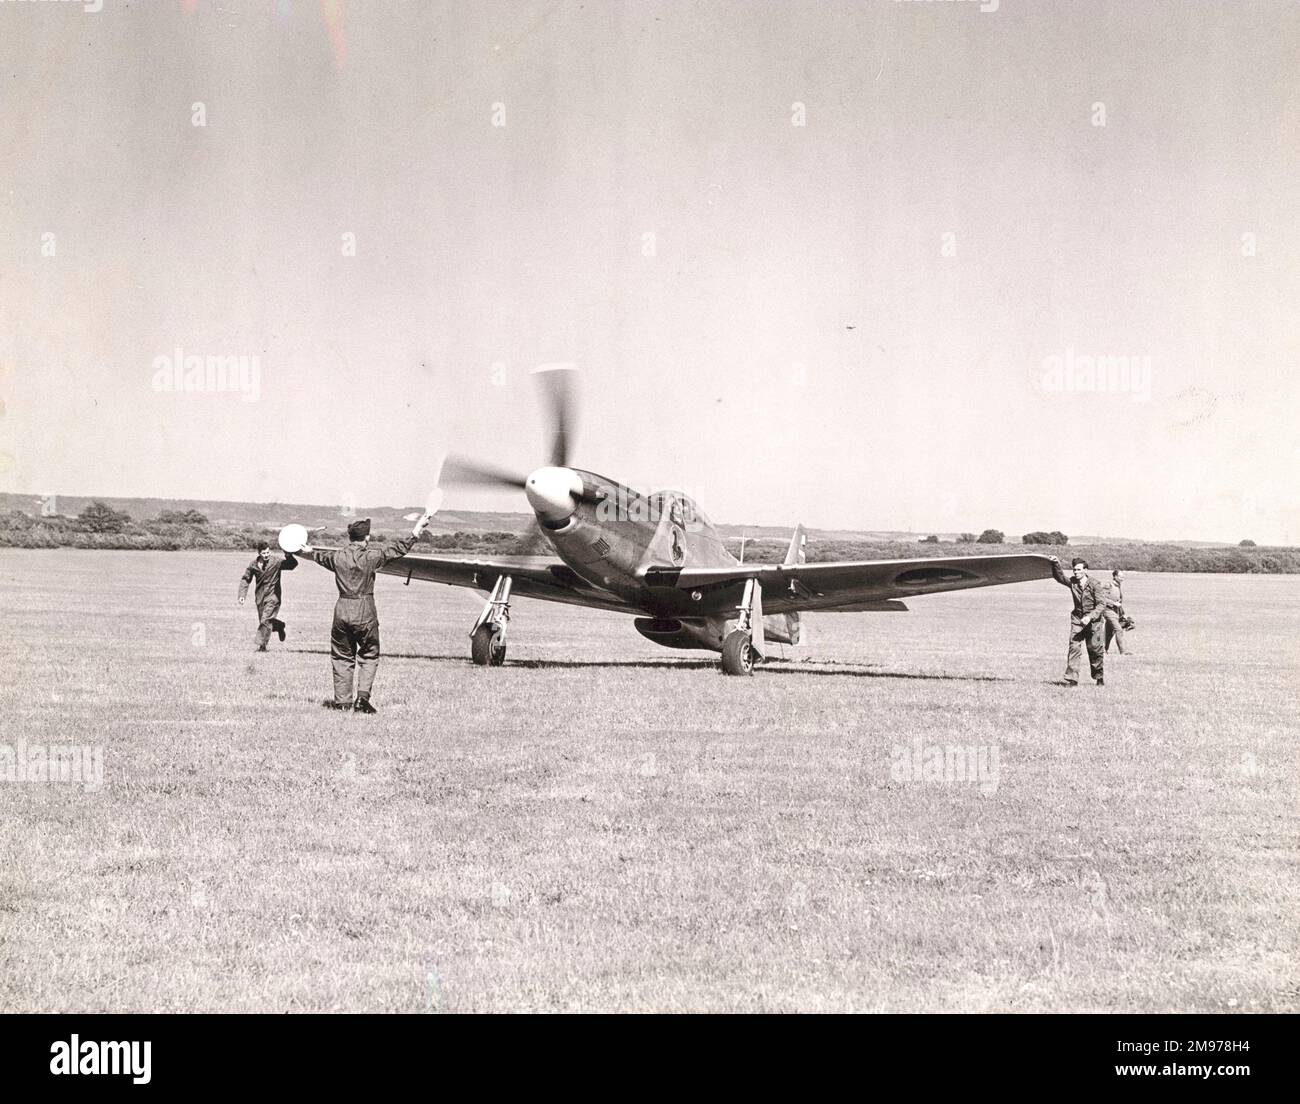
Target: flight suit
{"x":267,"y":593}
{"x":1086,"y":624}
{"x":1114,"y":617}
{"x":354,"y":635}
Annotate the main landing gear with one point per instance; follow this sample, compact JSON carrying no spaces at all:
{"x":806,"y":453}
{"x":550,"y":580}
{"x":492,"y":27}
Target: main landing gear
{"x":487,"y":639}
{"x":743,"y":646}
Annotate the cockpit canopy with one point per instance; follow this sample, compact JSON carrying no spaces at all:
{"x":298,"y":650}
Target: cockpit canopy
{"x":619,"y":501}
{"x":681,"y":509}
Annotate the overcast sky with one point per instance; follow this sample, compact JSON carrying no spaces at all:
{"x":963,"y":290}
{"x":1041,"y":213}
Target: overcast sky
{"x":880,"y":318}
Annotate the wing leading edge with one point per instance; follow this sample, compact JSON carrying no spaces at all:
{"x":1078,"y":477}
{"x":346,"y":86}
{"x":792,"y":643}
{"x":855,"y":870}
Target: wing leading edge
{"x":543,"y":577}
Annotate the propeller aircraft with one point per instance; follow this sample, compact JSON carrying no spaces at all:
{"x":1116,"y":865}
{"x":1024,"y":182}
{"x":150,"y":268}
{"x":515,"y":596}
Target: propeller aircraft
{"x":659,"y":559}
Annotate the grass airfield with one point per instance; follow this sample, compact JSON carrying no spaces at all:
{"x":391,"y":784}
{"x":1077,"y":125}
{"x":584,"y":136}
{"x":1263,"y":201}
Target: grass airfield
{"x":605,"y":825}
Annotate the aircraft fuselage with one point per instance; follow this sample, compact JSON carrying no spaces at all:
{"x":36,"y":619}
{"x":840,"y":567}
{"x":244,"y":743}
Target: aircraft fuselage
{"x":613,"y":535}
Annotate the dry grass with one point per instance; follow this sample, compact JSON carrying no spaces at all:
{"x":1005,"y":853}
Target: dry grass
{"x":606,"y":825}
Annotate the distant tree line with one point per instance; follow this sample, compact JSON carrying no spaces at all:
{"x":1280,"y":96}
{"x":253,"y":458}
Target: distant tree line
{"x":100,"y":526}
{"x":1100,"y":557}
{"x":989,"y":536}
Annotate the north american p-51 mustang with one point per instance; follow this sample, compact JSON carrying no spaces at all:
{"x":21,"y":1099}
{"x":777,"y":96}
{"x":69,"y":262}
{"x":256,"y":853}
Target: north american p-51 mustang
{"x":658,"y":558}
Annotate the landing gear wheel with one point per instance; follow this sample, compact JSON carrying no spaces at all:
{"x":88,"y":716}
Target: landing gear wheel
{"x":487,"y":647}
{"x":738,"y":654}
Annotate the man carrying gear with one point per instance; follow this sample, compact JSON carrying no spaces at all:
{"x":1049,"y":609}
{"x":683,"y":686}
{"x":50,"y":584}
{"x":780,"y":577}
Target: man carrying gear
{"x":266,"y":568}
{"x":354,"y":636}
{"x":1116,"y":619}
{"x":1087,"y":620}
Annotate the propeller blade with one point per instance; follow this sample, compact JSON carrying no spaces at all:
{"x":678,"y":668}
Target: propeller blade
{"x":461,"y":471}
{"x":559,"y":390}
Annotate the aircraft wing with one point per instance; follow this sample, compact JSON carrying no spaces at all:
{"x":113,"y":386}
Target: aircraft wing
{"x":856,"y":584}
{"x":544,"y":577}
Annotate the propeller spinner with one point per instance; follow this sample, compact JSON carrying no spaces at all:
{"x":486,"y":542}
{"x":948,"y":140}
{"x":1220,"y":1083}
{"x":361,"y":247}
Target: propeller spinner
{"x":553,"y":493}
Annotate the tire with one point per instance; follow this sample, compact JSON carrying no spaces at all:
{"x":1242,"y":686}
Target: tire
{"x":486,"y":648}
{"x":738,"y":654}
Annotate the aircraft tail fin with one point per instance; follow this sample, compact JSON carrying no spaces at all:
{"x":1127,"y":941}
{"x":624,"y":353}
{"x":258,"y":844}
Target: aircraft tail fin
{"x":785,"y":627}
{"x":795,"y":553}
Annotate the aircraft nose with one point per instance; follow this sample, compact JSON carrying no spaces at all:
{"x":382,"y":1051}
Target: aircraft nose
{"x":553,"y":492}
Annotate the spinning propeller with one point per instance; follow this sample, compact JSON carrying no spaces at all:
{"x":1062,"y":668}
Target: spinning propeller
{"x":554,"y":490}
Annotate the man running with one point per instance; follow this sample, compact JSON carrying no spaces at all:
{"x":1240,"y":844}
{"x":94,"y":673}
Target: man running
{"x":266,"y":568}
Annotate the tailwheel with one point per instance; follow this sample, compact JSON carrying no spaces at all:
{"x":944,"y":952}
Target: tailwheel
{"x":738,"y":655}
{"x":487,"y":646}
